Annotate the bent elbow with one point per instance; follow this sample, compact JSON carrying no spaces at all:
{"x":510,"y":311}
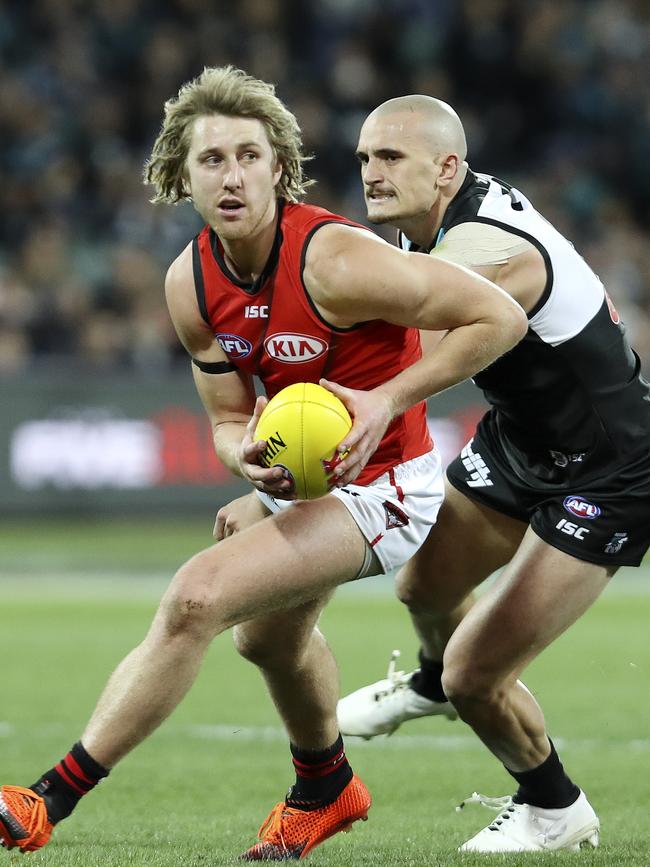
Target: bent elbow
{"x":514,"y":324}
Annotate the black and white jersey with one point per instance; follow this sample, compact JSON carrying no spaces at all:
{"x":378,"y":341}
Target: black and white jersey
{"x":569,"y":400}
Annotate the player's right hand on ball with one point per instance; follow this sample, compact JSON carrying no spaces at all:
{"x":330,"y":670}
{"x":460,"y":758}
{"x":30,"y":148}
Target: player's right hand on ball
{"x":371,"y":414}
{"x":272,"y":481}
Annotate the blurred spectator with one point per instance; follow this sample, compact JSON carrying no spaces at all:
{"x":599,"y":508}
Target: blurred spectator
{"x":554,"y":97}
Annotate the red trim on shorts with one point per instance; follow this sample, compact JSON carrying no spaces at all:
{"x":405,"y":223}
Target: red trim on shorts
{"x":376,"y":539}
{"x":400,"y":492}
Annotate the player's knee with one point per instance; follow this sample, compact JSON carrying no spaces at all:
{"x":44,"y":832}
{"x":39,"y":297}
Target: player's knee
{"x":469,"y":689}
{"x":435,"y":594}
{"x":260,"y":649}
{"x":416,"y":592}
{"x":410,"y":591}
{"x":191,"y":608}
{"x":457,"y":685}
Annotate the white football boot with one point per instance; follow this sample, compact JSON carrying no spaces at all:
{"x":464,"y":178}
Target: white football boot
{"x":383,"y":706}
{"x":524,"y":828}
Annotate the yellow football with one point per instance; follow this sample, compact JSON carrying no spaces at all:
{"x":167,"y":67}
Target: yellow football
{"x":302,"y":426}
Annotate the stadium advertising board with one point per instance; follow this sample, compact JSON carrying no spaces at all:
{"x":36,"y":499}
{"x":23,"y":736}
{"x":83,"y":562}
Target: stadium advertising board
{"x":124,"y":444}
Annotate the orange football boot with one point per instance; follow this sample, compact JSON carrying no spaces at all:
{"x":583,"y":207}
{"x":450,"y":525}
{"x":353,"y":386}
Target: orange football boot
{"x":23,"y":819}
{"x":289,"y":834}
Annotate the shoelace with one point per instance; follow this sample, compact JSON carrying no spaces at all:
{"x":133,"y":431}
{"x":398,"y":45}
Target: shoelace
{"x":272,"y":825}
{"x":491,"y":803}
{"x":504,"y":804}
{"x":396,"y":679}
{"x":391,"y":674}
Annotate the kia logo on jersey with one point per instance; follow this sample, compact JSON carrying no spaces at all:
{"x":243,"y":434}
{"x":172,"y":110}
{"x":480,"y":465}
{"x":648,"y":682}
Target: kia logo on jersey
{"x":234,"y":346}
{"x":580,"y":507}
{"x":294,"y":348}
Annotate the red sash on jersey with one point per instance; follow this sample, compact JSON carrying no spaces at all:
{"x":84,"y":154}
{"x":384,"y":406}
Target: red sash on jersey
{"x":272,"y":330}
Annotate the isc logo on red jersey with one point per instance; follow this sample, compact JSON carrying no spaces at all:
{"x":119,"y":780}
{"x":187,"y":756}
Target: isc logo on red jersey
{"x":294,"y":348}
{"x":580,"y":507}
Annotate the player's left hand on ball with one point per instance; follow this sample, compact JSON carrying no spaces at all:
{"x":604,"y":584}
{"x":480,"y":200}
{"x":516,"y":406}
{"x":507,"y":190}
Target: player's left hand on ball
{"x":272,"y":480}
{"x":371,"y":413}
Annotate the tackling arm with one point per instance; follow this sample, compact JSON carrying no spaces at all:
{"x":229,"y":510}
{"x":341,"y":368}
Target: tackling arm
{"x":353,"y":277}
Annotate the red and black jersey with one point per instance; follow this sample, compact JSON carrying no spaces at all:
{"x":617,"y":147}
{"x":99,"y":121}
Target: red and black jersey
{"x":272,"y":329}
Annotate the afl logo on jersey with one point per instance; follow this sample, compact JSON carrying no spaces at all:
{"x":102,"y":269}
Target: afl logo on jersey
{"x":294,"y":348}
{"x":581,"y":508}
{"x":234,"y":346}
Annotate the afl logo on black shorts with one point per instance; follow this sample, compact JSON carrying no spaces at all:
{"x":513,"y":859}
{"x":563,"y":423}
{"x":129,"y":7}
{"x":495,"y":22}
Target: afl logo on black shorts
{"x":580,"y":507}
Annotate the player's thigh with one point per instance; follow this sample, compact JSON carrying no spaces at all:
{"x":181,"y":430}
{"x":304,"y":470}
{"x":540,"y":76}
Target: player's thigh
{"x":468,"y":542}
{"x":533,"y":601}
{"x":283,"y":635}
{"x":285,"y":560}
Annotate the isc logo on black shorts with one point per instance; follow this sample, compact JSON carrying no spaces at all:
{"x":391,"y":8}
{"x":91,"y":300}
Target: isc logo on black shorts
{"x":572,"y":529}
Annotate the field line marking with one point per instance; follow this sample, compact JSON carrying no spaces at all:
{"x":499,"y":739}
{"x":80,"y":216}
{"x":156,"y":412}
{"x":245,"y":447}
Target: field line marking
{"x":398,"y":742}
{"x":24,"y":583}
{"x":276,"y":734}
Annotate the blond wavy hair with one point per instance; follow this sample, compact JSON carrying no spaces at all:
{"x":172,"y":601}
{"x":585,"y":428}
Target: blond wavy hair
{"x":231,"y":92}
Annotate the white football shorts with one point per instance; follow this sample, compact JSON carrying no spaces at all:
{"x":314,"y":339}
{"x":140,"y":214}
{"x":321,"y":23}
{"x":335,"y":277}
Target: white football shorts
{"x":394,"y":513}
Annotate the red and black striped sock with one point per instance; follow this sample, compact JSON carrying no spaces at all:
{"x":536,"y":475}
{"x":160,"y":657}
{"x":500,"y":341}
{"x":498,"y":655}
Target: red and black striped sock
{"x":321,"y":776}
{"x":66,"y":783}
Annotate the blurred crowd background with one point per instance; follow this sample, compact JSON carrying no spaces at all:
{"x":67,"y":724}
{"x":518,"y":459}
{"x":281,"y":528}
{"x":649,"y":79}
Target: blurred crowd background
{"x":554,"y":97}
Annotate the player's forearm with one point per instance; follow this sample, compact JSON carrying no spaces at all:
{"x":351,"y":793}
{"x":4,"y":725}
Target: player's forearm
{"x":227,"y":437}
{"x":461,"y":354}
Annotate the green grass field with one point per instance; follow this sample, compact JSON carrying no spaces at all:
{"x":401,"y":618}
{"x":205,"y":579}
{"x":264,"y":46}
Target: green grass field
{"x":75,"y":599}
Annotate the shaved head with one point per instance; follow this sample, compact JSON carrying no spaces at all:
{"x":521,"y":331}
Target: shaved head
{"x":438,"y":122}
{"x":412,"y":152}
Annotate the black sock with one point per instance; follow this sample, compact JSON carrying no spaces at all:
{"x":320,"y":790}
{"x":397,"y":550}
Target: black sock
{"x":321,"y":776}
{"x":546,"y":786}
{"x":66,"y":783}
{"x":427,"y":680}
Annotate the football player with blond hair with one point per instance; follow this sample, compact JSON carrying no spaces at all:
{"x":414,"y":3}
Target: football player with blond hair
{"x":231,"y":146}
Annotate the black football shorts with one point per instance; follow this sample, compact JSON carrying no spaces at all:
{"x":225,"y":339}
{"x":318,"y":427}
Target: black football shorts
{"x":607,"y":521}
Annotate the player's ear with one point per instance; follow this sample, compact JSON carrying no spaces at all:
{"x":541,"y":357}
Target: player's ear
{"x":277,"y":173}
{"x":449,"y":165}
